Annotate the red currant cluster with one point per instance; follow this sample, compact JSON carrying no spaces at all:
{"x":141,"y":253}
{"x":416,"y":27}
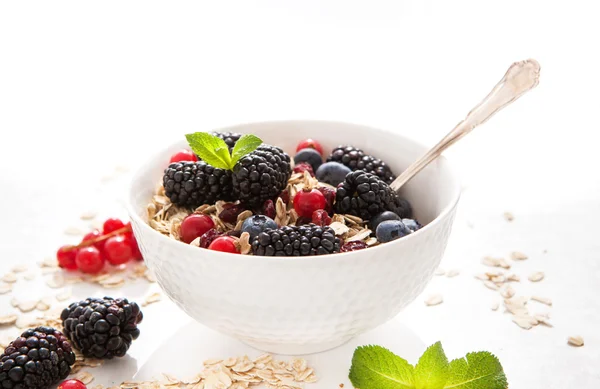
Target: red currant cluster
{"x":202,"y":226}
{"x":115,"y":244}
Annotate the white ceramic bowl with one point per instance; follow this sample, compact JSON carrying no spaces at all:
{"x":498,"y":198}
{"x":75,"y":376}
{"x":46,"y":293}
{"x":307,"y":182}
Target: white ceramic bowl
{"x":303,"y":305}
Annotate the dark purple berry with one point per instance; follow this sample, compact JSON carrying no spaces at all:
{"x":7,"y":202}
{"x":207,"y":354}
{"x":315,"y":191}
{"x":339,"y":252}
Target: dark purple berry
{"x":390,"y":230}
{"x":310,"y":156}
{"x":332,"y":173}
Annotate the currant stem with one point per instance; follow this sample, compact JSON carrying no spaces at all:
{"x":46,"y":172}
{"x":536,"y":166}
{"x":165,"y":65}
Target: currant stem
{"x":90,"y":242}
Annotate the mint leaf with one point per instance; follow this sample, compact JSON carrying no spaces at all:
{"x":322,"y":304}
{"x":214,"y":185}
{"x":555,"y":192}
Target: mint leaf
{"x":481,"y":370}
{"x":245,"y":145}
{"x":374,"y":367}
{"x":213,"y":150}
{"x":431,"y":371}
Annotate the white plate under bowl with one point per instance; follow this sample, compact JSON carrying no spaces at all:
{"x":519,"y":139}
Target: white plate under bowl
{"x":182,"y":355}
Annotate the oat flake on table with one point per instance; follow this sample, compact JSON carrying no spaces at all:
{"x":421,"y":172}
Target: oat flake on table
{"x":5,"y":288}
{"x":518,"y":256}
{"x":153,"y":298}
{"x":19,"y":268}
{"x":10,"y":278}
{"x":8,"y":319}
{"x":576,"y":341}
{"x":435,"y":299}
{"x":542,"y":300}
{"x":239,"y":373}
{"x":536,"y":277}
{"x":452,"y":273}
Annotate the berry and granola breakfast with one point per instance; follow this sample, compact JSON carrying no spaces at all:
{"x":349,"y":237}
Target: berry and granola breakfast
{"x":235,"y":194}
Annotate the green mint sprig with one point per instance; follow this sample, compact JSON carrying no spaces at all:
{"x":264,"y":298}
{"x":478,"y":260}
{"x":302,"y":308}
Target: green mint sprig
{"x":374,"y":367}
{"x":214,"y":151}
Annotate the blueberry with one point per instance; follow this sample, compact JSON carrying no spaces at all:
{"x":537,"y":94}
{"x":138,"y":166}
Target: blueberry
{"x":411,"y":224}
{"x":391,"y":230}
{"x":383,"y":216}
{"x":256,"y":224}
{"x":310,"y":156}
{"x":332,"y":173}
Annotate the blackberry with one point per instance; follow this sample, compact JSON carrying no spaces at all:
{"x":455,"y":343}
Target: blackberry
{"x":356,"y":159}
{"x":102,"y":328}
{"x":37,"y":359}
{"x":302,"y":240}
{"x":261,"y":175}
{"x":365,"y":195}
{"x":229,"y":137}
{"x":196,"y":183}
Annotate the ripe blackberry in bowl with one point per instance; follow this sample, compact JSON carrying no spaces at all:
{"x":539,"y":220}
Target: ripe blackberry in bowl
{"x":230,"y":138}
{"x":102,"y":327}
{"x":356,"y":159}
{"x":196,"y":183}
{"x":287,"y":241}
{"x":365,"y":195}
{"x":37,"y":359}
{"x":261,"y":175}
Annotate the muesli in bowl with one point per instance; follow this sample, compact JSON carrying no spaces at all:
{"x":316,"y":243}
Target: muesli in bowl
{"x":233,"y":193}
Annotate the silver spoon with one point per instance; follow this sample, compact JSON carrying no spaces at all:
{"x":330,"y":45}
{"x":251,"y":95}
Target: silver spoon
{"x":519,"y":78}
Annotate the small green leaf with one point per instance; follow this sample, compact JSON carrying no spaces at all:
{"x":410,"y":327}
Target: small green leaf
{"x":213,"y":150}
{"x":481,"y":370}
{"x":245,"y":145}
{"x":374,"y":367}
{"x":431,"y":371}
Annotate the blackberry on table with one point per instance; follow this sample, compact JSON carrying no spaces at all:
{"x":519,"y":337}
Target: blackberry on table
{"x":102,"y":327}
{"x":196,"y":183}
{"x":37,"y":359}
{"x":365,"y":195}
{"x":261,"y":175}
{"x":229,"y":137}
{"x":356,"y":159}
{"x":302,"y":240}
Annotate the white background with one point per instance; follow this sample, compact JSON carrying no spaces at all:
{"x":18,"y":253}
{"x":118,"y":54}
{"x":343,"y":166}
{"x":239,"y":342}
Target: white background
{"x":87,"y":86}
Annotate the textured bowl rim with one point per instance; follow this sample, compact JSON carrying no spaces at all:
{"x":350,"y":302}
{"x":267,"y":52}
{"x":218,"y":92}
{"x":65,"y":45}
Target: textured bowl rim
{"x":445,"y":212}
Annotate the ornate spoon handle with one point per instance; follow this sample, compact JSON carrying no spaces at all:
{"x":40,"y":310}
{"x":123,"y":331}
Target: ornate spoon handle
{"x":519,"y":78}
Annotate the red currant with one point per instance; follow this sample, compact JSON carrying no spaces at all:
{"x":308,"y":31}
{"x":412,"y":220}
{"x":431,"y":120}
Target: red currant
{"x":94,"y":235}
{"x":183,"y":155}
{"x":66,"y":259}
{"x":308,"y":201}
{"x":117,"y":250}
{"x":129,"y":233}
{"x":135,"y":249}
{"x":310,"y":144}
{"x":89,"y":260}
{"x":225,"y":244}
{"x":302,"y":167}
{"x":71,"y":384}
{"x":194,"y":226}
{"x":111,"y":225}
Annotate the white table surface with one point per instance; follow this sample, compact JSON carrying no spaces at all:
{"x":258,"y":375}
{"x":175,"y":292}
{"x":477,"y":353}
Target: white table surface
{"x":86,"y":87}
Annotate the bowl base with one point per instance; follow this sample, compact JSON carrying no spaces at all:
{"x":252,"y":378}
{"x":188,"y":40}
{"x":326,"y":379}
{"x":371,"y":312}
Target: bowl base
{"x":296,"y":349}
